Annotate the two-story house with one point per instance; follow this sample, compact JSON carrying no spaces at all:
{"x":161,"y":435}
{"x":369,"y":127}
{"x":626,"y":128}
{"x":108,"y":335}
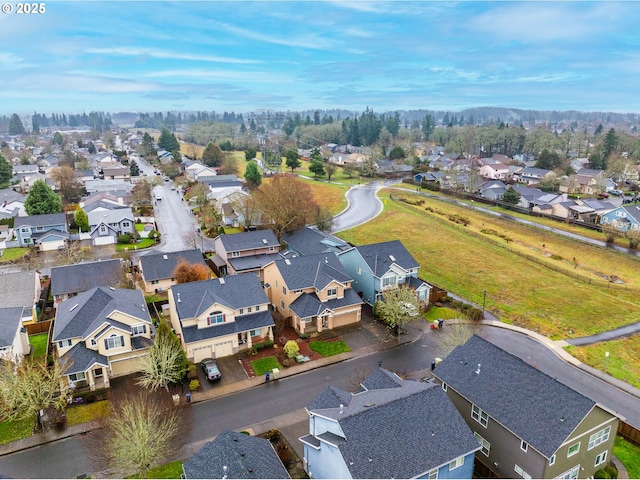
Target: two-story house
{"x":47,"y":232}
{"x":310,"y":241}
{"x":14,"y":339}
{"x":312,"y":292}
{"x":528,"y":424}
{"x":11,"y":203}
{"x":100,"y":334}
{"x":532,"y":175}
{"x":21,"y":289}
{"x":157,"y":269}
{"x":389,"y":428}
{"x":218,"y":317}
{"x":380,"y":266}
{"x":69,"y":280}
{"x":245,"y":252}
{"x":106,"y":225}
{"x":624,"y":218}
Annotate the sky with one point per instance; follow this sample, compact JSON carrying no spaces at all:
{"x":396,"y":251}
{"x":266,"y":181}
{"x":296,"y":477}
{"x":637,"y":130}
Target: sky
{"x":245,"y":56}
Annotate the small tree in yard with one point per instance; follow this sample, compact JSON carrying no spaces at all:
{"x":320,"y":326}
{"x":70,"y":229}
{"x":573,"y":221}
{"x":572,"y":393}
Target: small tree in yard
{"x":511,"y":196}
{"x":611,"y":233}
{"x":28,"y":388}
{"x":166,"y":362}
{"x":291,"y":348}
{"x":190,"y":272}
{"x":82,"y":220}
{"x":634,"y":238}
{"x":330,"y":168}
{"x":456,"y":334}
{"x":397,"y":307}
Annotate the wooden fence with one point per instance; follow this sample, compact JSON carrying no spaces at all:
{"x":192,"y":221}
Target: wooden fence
{"x":629,"y":433}
{"x":36,"y":328}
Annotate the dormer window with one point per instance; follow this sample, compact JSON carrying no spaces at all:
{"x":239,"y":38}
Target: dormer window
{"x":332,"y":292}
{"x":114,"y":341}
{"x":215,"y":318}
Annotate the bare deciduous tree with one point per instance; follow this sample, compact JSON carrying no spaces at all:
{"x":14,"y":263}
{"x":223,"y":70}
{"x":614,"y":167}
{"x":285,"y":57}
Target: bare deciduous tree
{"x":454,"y":334}
{"x":166,"y":362}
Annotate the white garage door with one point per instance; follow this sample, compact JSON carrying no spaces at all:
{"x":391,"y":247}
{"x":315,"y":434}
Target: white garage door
{"x":200,"y":353}
{"x":223,"y":349}
{"x":107,"y":240}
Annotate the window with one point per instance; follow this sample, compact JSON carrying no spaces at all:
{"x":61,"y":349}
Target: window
{"x":389,"y":281}
{"x":126,"y":224}
{"x":94,"y":342}
{"x":573,"y":449}
{"x":444,"y":387}
{"x":235,"y":254}
{"x":24,"y":229}
{"x":138,"y":330}
{"x":114,"y":341}
{"x":257,"y":308}
{"x":271,"y":248}
{"x":479,"y":415}
{"x":601,"y":458}
{"x":552,"y":460}
{"x":27,"y":240}
{"x":524,"y":446}
{"x":215,"y":317}
{"x":249,"y":309}
{"x":103,"y":229}
{"x":486,"y":446}
{"x":332,"y":292}
{"x":241,"y":311}
{"x":282,"y":304}
{"x":569,"y":474}
{"x":39,"y":229}
{"x":433,"y":474}
{"x":64,"y":343}
{"x":599,"y":437}
{"x":518,"y":470}
{"x":297,"y":291}
{"x":77,"y":377}
{"x":458,"y":462}
{"x":155,"y":282}
{"x":284,"y":290}
{"x":255,"y":333}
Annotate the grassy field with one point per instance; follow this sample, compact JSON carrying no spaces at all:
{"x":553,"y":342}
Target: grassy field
{"x":11,"y":254}
{"x":629,"y":455}
{"x":86,"y":412}
{"x":15,"y":429}
{"x":519,"y":291}
{"x":622,"y":361}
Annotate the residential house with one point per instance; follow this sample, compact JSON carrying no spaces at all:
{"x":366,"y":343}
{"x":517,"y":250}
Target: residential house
{"x":378,"y":267}
{"x":106,"y":225}
{"x":221,"y":186}
{"x":389,"y":428}
{"x":312,"y":292}
{"x":47,"y":232}
{"x":21,"y":289}
{"x":530,"y":197}
{"x":157,"y":269}
{"x":11,"y":203}
{"x":14,"y":339}
{"x":219,"y":317}
{"x":531,"y":175}
{"x":494,"y":171}
{"x":580,"y":184}
{"x":93,"y":186}
{"x":428,"y":177}
{"x":625,"y":218}
{"x":27,"y":181}
{"x":311,"y":241}
{"x":529,"y":424}
{"x":100,"y":334}
{"x":245,"y":252}
{"x":69,"y":280}
{"x":235,"y":455}
{"x":392,"y":168}
{"x":492,"y":190}
{"x":106,"y":201}
{"x":25,"y":170}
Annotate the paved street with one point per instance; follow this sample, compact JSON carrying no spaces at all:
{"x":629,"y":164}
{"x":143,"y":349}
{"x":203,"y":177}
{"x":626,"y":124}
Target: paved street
{"x":363,"y":205}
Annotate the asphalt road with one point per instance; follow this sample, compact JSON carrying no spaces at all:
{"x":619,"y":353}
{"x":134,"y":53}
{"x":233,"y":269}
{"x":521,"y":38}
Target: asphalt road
{"x":363,"y":205}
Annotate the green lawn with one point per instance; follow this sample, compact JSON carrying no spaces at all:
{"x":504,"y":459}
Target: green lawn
{"x":39,"y":343}
{"x":145,"y":243}
{"x":16,"y":429}
{"x":629,"y":455}
{"x":11,"y":254}
{"x":328,"y":349}
{"x":266,"y":364}
{"x":140,"y":227}
{"x":435,"y":313}
{"x":85,"y":412}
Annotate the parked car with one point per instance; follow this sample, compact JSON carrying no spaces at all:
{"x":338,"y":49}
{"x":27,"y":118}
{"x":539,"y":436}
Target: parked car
{"x":617,"y":193}
{"x":603,"y":195}
{"x":211,"y":370}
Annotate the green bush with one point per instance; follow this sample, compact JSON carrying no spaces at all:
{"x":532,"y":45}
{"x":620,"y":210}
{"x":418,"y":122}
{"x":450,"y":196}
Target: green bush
{"x":192,"y":371}
{"x":194,"y":385}
{"x":291,"y":348}
{"x":304,"y":336}
{"x":602,"y":473}
{"x":124,"y":238}
{"x":612,"y":470}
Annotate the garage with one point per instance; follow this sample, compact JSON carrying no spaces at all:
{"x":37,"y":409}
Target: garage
{"x":106,"y":240}
{"x":200,"y":353}
{"x":223,"y":349}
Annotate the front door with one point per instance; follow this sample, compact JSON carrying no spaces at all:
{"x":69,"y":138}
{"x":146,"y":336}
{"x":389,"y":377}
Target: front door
{"x":325,"y":321}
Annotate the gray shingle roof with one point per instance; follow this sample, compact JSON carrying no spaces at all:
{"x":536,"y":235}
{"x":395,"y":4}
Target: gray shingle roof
{"x":160,"y":266}
{"x":312,"y":271}
{"x":309,"y":305}
{"x":378,"y":256}
{"x":532,"y":405}
{"x":252,"y":262}
{"x":10,"y":321}
{"x":18,"y":289}
{"x":96,"y":217}
{"x":83,"y":314}
{"x":256,"y":239}
{"x":237,"y":291}
{"x":243,"y":455}
{"x":242,"y":323}
{"x":309,"y":241}
{"x":81,"y":358}
{"x":415,"y":422}
{"x":84,"y":276}
{"x":41,"y":220}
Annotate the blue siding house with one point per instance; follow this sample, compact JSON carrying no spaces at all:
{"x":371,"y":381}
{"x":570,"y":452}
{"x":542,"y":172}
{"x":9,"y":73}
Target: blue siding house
{"x":389,"y":428}
{"x":382,"y":266}
{"x":47,"y":232}
{"x":624,"y":218}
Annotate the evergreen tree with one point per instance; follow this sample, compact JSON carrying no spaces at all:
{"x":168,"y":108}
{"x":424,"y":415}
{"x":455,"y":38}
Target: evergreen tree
{"x":5,"y":172}
{"x":511,"y":196}
{"x":134,"y":170}
{"x":212,"y":155}
{"x":250,"y":154}
{"x":252,"y":175}
{"x":610,"y":143}
{"x":42,"y":200}
{"x":293,"y":159}
{"x":82,"y":220}
{"x":15,"y":125}
{"x":35,"y":124}
{"x":427,"y":127}
{"x":57,"y":138}
{"x":168,"y":141}
{"x":317,"y":167}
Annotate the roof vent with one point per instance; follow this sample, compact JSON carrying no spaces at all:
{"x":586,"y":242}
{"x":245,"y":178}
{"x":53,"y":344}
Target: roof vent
{"x":368,"y":404}
{"x":393,"y":259}
{"x":221,"y":281}
{"x":224,"y":471}
{"x":165,"y":257}
{"x":264,"y":240}
{"x":478,"y":370}
{"x":74,"y":307}
{"x":112,"y":288}
{"x":341,"y":408}
{"x":179,"y":297}
{"x":286,"y":260}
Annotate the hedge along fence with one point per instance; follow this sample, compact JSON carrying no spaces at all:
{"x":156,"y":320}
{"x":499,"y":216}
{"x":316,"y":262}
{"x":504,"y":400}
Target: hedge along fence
{"x":539,"y":261}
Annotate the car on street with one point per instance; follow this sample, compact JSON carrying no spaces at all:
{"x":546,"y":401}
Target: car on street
{"x":603,"y":195}
{"x":173,"y":187}
{"x":211,"y":370}
{"x":158,"y":196}
{"x":617,"y":193}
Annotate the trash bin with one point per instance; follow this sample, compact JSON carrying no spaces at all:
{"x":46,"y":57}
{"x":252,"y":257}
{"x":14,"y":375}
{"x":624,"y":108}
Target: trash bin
{"x":440,"y":323}
{"x":433,"y":366}
{"x":176,"y":399}
{"x":266,"y":376}
{"x":433,"y":327}
{"x":188,"y":396}
{"x":276,"y":373}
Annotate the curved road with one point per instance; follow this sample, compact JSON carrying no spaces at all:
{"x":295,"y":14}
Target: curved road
{"x":363,"y":205}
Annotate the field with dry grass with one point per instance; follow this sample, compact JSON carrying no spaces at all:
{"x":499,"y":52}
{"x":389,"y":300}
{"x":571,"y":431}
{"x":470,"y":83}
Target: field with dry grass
{"x":519,"y":290}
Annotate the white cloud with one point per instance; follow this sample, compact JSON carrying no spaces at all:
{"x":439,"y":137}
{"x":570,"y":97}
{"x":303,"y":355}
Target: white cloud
{"x":164,"y":54}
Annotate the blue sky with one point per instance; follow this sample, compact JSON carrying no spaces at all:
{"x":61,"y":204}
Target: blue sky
{"x":291,"y":55}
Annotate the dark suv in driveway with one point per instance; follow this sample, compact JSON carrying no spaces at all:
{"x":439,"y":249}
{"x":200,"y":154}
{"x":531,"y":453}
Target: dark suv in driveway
{"x":210,"y":369}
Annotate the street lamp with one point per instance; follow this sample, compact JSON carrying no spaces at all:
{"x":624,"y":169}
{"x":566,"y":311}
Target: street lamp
{"x":484,"y":302}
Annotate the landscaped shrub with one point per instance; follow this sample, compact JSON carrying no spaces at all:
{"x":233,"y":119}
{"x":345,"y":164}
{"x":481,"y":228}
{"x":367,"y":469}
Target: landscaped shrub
{"x":304,"y":336}
{"x":612,"y":470}
{"x":124,"y":238}
{"x":602,"y":473}
{"x":192,"y":371}
{"x":556,"y":257}
{"x":291,"y":348}
{"x":194,"y":385}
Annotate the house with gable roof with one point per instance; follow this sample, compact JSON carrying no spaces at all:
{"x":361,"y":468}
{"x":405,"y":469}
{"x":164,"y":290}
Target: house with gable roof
{"x":529,"y":424}
{"x":625,"y":218}
{"x":11,"y":203}
{"x":69,"y":280}
{"x":219,"y":317}
{"x":312,"y":292}
{"x":106,"y":225}
{"x":245,"y":252}
{"x":21,"y":289}
{"x":389,"y":428}
{"x":311,"y":241}
{"x":47,"y":232}
{"x":14,"y":339}
{"x":100,"y":334}
{"x":157,"y":269}
{"x":381,"y":266}
{"x":235,"y":455}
